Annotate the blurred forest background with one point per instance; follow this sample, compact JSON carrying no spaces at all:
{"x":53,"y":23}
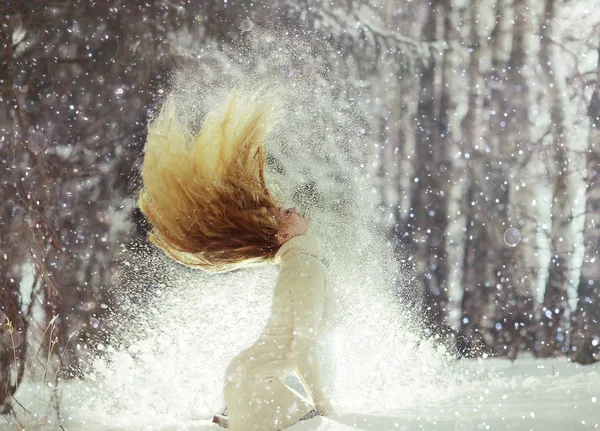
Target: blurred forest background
{"x":484,"y":133}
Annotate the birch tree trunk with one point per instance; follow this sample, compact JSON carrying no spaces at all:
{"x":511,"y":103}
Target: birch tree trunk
{"x":585,"y":332}
{"x":553,"y":325}
{"x":496,"y":186}
{"x":429,"y":198}
{"x":477,"y":248}
{"x":13,"y":245}
{"x":514,"y":305}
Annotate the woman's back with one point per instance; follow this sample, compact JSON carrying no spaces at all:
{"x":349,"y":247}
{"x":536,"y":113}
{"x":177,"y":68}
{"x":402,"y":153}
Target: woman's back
{"x":271,"y":354}
{"x":281,"y":366}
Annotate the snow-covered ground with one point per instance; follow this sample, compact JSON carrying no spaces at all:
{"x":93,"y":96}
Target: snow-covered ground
{"x":498,"y":395}
{"x":163,"y":370}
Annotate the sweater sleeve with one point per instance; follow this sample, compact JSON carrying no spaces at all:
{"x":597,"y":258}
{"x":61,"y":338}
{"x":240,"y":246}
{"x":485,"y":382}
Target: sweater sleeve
{"x":305,"y":275}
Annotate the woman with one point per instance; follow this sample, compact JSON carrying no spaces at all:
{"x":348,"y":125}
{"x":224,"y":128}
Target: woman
{"x":206,"y":197}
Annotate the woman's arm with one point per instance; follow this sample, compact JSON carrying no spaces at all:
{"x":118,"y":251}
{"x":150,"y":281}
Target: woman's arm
{"x":306,"y":278}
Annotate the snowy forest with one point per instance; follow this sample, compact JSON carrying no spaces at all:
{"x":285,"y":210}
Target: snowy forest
{"x":477,"y":125}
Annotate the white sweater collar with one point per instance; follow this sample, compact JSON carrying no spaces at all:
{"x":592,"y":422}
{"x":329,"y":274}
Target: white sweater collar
{"x":302,"y":244}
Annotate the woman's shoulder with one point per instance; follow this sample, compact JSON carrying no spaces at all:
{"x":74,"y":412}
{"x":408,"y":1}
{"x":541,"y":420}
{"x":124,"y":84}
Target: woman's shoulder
{"x":300,"y":245}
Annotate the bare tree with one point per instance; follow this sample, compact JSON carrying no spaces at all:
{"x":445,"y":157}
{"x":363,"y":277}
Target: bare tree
{"x":554,"y":326}
{"x":585,"y":332}
{"x":477,"y":255}
{"x":514,"y":303}
{"x":67,"y":147}
{"x":427,"y":220}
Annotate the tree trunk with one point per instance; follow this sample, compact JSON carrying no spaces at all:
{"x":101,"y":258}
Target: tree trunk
{"x":585,"y":332}
{"x":552,"y":335}
{"x":13,"y":326}
{"x":514,"y":279}
{"x":471,"y":342}
{"x":429,"y":198}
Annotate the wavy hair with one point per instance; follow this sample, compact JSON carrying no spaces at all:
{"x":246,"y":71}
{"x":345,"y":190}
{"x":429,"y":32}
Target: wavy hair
{"x":204,"y":193}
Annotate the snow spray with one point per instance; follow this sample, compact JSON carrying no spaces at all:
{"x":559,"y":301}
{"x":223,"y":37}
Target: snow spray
{"x":177,"y":328}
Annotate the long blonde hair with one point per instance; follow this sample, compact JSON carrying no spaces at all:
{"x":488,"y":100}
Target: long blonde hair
{"x":205,"y":193}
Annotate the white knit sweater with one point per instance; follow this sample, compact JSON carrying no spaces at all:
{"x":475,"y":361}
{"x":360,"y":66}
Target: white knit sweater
{"x":277,"y":380}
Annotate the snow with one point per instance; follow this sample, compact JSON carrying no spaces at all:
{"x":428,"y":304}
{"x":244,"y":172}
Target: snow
{"x":169,"y":348}
{"x":529,"y":394}
{"x":163,"y":369}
